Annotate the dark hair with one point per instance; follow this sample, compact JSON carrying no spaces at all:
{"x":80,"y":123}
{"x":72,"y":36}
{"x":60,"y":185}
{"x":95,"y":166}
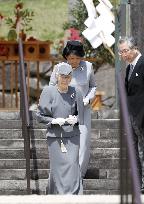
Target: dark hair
{"x":73,"y":47}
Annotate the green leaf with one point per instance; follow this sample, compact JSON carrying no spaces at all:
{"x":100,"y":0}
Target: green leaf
{"x":12,"y":35}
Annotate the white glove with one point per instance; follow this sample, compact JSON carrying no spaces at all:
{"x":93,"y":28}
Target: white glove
{"x":72,"y":119}
{"x":86,"y":101}
{"x":59,"y":121}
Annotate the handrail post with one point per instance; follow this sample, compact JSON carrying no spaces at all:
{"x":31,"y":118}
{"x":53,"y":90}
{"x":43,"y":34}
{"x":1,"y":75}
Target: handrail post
{"x":130,"y":151}
{"x":24,"y":115}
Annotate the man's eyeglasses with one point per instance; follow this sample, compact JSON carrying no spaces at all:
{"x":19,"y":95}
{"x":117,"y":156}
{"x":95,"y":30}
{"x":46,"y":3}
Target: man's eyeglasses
{"x":125,"y":51}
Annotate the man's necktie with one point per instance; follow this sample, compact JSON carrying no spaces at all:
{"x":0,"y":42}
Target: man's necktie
{"x":130,"y":71}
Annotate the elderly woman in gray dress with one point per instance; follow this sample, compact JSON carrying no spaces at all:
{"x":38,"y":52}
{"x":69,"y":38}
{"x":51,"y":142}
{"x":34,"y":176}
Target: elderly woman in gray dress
{"x":82,"y":78}
{"x":60,"y":108}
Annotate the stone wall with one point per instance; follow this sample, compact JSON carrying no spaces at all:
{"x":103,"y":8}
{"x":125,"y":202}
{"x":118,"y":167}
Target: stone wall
{"x":71,"y":4}
{"x":137,"y":22}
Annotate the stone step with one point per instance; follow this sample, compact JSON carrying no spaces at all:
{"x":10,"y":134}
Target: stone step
{"x":41,"y":184}
{"x":9,"y":115}
{"x":114,"y":113}
{"x":41,"y":133}
{"x":102,"y":175}
{"x":105,"y":114}
{"x":96,"y":124}
{"x":41,"y":143}
{"x":99,"y":124}
{"x":105,"y":124}
{"x":42,"y":192}
{"x":111,"y":163}
{"x":100,"y":168}
{"x":20,"y":174}
{"x":105,"y":133}
{"x":10,"y":124}
{"x":60,"y":199}
{"x":102,"y":153}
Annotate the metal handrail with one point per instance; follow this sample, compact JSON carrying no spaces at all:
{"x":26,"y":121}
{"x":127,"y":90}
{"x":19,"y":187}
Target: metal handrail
{"x":24,"y":111}
{"x":127,"y":138}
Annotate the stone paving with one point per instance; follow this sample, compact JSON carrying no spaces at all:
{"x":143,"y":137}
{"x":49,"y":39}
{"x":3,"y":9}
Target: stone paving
{"x":61,"y":199}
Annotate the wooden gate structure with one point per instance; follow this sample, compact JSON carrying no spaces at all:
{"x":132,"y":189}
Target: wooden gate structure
{"x":36,"y":51}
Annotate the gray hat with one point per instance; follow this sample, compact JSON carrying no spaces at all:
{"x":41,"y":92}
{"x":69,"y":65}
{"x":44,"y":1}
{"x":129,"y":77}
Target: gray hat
{"x":64,"y":68}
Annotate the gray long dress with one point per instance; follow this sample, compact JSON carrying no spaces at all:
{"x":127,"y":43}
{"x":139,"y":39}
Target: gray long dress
{"x":83,"y":78}
{"x":65,"y":175}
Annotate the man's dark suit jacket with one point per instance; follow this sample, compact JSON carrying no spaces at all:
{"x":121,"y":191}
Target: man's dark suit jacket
{"x":135,"y":93}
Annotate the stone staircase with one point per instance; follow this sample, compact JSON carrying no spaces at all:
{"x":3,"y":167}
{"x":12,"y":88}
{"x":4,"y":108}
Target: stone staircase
{"x":102,"y":176}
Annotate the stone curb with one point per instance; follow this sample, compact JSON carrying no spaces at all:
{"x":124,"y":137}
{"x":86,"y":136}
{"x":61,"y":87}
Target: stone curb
{"x":61,"y":199}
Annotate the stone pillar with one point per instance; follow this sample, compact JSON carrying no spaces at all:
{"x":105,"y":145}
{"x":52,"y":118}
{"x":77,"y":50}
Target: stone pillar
{"x":137,"y":22}
{"x":71,"y":3}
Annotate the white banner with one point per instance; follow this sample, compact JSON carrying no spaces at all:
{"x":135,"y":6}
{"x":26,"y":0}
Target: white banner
{"x":100,"y":23}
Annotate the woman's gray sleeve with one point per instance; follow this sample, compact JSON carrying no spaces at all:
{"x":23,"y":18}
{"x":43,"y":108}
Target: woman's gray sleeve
{"x":41,"y":117}
{"x":92,"y":86}
{"x":44,"y":114}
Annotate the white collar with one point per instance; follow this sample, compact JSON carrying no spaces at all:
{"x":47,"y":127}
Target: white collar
{"x":136,"y":59}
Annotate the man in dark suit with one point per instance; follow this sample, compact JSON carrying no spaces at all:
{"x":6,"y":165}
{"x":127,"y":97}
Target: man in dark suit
{"x":134,"y":84}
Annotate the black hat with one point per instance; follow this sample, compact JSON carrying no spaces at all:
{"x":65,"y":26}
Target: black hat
{"x":73,"y":47}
